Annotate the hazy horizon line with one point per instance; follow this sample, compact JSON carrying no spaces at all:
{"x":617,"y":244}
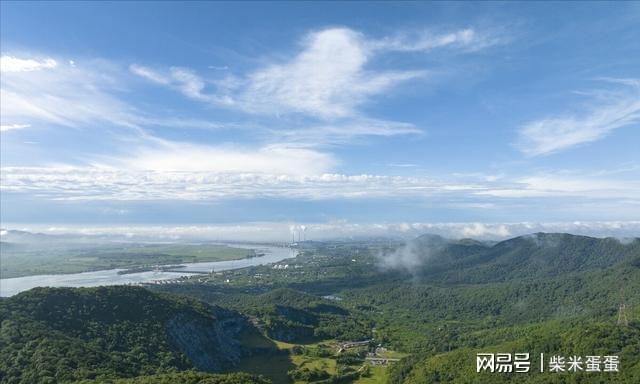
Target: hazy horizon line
{"x":296,"y":231}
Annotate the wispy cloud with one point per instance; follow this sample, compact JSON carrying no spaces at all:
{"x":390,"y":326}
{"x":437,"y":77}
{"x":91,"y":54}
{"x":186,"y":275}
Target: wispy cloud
{"x":570,"y":184}
{"x":149,"y":74}
{"x":344,"y":132}
{"x":183,"y":80}
{"x":63,"y":95}
{"x":611,"y":109}
{"x":11,"y":127}
{"x":16,"y":64}
{"x":467,"y":39}
{"x":328,"y":78}
{"x":82,"y":95}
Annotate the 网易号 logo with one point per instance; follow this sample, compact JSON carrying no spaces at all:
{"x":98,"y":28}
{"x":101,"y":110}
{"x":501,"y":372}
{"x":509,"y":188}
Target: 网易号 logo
{"x":522,"y":363}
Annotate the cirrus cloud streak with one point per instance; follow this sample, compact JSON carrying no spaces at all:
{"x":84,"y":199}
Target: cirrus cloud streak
{"x":611,"y":110}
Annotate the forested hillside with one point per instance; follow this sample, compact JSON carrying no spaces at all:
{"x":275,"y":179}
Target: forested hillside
{"x":57,"y":335}
{"x":565,"y":338}
{"x":540,"y":255}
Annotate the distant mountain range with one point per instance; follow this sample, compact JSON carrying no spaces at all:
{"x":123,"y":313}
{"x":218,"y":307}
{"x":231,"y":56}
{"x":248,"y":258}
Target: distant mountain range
{"x":531,"y":256}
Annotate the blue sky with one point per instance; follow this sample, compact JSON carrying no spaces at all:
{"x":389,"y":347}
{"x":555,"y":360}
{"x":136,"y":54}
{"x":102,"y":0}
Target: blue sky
{"x":216,"y":113}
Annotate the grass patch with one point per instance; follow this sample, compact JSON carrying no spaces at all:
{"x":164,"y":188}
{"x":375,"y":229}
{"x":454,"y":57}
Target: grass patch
{"x":326,"y":364}
{"x":377,"y":375}
{"x":275,"y":367}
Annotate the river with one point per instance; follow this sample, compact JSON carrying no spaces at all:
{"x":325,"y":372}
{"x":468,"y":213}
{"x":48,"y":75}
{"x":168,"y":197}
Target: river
{"x":12,"y":286}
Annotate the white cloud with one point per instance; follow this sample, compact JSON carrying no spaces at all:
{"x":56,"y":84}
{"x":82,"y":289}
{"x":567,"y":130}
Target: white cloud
{"x":480,"y":230}
{"x":187,"y":172}
{"x":15,"y":64}
{"x":111,"y":183}
{"x":169,"y":156}
{"x":612,"y":110}
{"x":328,"y":78}
{"x":84,"y":96}
{"x":11,"y":127}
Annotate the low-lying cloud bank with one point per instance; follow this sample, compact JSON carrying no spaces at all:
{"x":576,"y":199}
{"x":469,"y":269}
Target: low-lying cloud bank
{"x":282,"y":231}
{"x":138,"y":184}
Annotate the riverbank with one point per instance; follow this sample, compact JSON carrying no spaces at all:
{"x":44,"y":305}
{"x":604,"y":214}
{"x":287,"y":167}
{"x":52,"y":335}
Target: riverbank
{"x":22,"y":261}
{"x":271,"y":254}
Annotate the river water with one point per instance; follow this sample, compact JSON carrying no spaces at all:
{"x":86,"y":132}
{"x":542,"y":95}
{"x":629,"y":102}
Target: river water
{"x":12,"y":286}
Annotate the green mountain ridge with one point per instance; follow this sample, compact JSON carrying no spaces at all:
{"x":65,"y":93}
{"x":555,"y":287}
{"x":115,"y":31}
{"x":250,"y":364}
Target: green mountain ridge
{"x":539,"y":255}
